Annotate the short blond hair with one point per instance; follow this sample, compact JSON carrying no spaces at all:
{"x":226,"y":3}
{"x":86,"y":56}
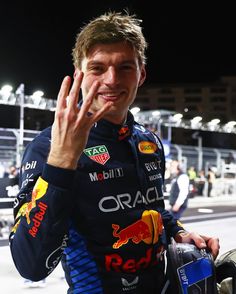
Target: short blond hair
{"x":108,"y":28}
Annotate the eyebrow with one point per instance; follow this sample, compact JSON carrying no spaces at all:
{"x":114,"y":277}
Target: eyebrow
{"x":94,"y":62}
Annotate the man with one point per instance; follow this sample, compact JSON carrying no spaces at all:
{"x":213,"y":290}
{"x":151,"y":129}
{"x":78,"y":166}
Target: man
{"x":91,"y":191}
{"x":179,"y":190}
{"x":211,"y":180}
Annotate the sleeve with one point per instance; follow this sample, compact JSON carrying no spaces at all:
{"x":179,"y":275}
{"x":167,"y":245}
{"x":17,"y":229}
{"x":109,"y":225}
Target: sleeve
{"x":41,"y":213}
{"x":172,"y":226}
{"x":163,"y":160}
{"x":183,"y":184}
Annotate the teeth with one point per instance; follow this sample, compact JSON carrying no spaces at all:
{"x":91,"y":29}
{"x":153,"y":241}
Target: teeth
{"x":109,"y":93}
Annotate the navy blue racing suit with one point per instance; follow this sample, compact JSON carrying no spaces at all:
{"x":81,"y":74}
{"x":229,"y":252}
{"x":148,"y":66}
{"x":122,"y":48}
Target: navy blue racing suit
{"x":105,"y":221}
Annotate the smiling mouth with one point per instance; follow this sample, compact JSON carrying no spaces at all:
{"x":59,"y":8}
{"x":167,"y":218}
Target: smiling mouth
{"x":109,"y":96}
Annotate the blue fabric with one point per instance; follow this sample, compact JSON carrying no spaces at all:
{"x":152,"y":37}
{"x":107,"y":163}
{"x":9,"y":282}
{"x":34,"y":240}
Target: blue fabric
{"x":103,"y":220}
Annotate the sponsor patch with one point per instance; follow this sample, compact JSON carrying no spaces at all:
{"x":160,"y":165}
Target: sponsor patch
{"x":147,"y":147}
{"x":38,"y":192}
{"x":37,"y":219}
{"x":129,"y":201}
{"x":98,"y":154}
{"x":123,"y":132}
{"x":29,"y":165}
{"x":14,"y":229}
{"x":154,"y":165}
{"x":146,"y":229}
{"x":105,"y":175}
{"x":54,"y":257}
{"x":127,"y":286}
{"x":117,"y":263}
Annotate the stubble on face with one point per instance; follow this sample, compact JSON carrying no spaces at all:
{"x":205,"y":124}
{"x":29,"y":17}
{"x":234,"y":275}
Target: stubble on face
{"x":115,"y":67}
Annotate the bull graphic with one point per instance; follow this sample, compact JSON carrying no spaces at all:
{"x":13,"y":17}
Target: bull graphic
{"x":38,"y":192}
{"x":146,"y":229}
{"x":137,"y":232}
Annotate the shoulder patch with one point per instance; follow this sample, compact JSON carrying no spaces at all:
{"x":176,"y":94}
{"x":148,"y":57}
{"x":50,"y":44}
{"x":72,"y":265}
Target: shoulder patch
{"x":147,"y":147}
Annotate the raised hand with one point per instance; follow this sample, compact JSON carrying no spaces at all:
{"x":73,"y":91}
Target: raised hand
{"x":72,"y":125}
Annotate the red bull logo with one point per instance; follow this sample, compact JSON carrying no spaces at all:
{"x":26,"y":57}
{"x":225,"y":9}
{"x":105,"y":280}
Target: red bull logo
{"x":13,"y":230}
{"x":137,"y":232}
{"x":39,"y":191}
{"x":37,"y":219}
{"x":115,"y":262}
{"x":123,"y":132}
{"x":147,"y":229}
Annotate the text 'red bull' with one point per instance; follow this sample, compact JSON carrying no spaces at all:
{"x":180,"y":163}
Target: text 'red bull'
{"x":37,"y":219}
{"x":146,"y":229}
{"x":38,"y":192}
{"x":115,"y":262}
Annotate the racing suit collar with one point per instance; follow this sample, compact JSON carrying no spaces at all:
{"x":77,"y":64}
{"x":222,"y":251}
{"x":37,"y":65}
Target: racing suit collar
{"x":119,"y":132}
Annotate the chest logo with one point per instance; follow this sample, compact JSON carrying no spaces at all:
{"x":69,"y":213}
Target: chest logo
{"x":98,"y":154}
{"x":147,"y":147}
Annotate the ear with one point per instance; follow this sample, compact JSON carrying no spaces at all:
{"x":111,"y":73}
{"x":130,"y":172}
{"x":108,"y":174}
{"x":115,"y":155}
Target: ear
{"x":142,"y":76}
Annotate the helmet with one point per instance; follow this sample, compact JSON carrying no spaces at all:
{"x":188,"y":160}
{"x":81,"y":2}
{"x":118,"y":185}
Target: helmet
{"x":190,"y":270}
{"x":226,"y":271}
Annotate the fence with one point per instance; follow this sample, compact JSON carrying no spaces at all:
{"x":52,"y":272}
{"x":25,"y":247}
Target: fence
{"x":9,"y":145}
{"x":189,"y":155}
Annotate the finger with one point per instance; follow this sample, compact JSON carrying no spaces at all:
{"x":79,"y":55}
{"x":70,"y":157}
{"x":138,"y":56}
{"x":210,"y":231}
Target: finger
{"x":100,"y":113}
{"x":72,"y":100}
{"x":192,"y":237}
{"x":214,"y":252}
{"x":213,"y":245}
{"x":63,"y":92}
{"x":199,"y":241}
{"x":87,"y":101}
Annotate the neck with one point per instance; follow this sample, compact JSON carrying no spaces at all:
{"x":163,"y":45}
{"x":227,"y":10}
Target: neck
{"x":117,"y":120}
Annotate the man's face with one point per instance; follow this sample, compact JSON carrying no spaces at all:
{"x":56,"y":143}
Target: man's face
{"x":116,"y":68}
{"x":174,"y":167}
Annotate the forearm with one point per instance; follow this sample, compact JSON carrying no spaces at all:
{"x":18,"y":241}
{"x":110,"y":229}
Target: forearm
{"x":37,"y":253}
{"x":41,"y":227}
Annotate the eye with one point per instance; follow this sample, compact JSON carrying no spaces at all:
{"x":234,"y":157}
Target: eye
{"x":127,"y":67}
{"x":96,"y":68}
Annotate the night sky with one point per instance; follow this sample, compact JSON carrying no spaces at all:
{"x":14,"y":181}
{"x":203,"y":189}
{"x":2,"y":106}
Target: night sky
{"x":188,"y":43}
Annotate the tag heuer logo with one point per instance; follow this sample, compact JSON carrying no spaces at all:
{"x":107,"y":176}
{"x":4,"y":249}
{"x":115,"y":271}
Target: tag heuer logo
{"x":98,"y":154}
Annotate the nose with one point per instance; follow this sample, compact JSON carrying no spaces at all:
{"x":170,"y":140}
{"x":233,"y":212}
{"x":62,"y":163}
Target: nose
{"x":110,"y":77}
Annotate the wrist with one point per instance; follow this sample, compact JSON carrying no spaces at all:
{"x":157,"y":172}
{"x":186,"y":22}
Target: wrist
{"x":62,"y":161}
{"x":180,"y":235}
